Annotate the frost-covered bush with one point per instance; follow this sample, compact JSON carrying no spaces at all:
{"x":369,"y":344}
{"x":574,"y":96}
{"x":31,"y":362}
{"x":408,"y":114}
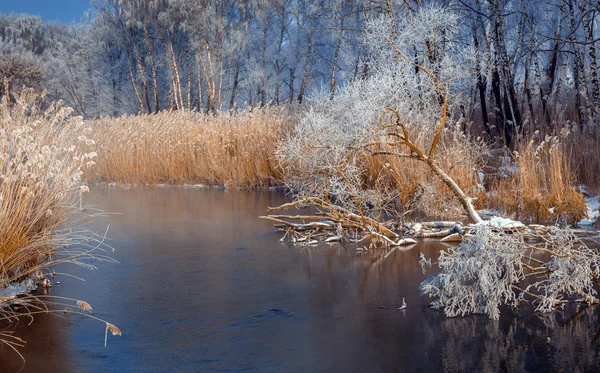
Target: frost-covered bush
{"x":494,"y":268}
{"x":325,"y":154}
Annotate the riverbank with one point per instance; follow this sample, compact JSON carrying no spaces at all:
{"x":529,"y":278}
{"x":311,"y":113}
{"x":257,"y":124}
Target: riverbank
{"x":536,"y":183}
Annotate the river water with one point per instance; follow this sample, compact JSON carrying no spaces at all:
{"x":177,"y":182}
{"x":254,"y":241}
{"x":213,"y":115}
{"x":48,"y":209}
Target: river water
{"x":203,"y":285}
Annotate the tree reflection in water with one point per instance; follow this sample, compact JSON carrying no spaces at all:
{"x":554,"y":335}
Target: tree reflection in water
{"x":565,"y":340}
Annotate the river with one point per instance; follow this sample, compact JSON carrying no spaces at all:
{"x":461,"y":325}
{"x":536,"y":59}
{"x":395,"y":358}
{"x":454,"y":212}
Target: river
{"x":203,"y":285}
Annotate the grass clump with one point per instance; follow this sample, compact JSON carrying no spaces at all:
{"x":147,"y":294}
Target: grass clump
{"x":40,"y":181}
{"x":540,"y":184}
{"x":41,"y":220}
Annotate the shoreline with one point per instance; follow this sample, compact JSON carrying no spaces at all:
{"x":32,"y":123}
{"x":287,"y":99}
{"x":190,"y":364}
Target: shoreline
{"x":589,"y":223}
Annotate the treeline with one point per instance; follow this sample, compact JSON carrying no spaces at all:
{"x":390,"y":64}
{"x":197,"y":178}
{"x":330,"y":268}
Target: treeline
{"x":534,"y":65}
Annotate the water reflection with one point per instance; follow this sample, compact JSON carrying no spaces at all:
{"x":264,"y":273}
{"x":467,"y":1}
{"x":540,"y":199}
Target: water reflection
{"x":47,"y":348}
{"x":203,"y":285}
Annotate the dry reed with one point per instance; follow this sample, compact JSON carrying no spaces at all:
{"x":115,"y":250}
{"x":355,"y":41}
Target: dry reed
{"x":41,"y":163}
{"x":41,"y":167}
{"x":235,"y":150}
{"x":419,"y":189}
{"x":582,"y":143}
{"x":538,"y":184}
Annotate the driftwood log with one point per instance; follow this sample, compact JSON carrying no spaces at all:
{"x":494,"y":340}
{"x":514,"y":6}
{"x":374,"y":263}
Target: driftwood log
{"x":331,"y":224}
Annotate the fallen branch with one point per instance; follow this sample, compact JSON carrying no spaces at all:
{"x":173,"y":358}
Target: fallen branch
{"x":493,"y":268}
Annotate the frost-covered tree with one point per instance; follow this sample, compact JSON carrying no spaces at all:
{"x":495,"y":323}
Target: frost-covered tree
{"x":400,"y":110}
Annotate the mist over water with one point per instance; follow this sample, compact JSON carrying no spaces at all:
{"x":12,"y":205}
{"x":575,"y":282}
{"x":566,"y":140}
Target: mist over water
{"x":203,"y":285}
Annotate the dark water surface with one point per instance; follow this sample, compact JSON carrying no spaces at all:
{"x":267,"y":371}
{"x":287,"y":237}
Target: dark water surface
{"x":202,"y":285}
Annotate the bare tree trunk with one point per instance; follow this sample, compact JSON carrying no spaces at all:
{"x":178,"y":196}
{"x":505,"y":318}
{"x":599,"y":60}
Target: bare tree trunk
{"x":222,"y":92}
{"x":481,"y":84}
{"x":334,"y":68}
{"x":500,"y":110}
{"x":580,"y":81}
{"x":189,"y":75}
{"x":142,"y":71}
{"x":538,"y":77}
{"x":552,"y":66}
{"x":210,"y":80}
{"x":236,"y":77}
{"x":306,"y":67}
{"x":174,"y":97}
{"x":131,"y":75}
{"x":514,"y":119}
{"x":199,"y":75}
{"x":292,"y":78}
{"x":529,"y":57}
{"x":114,"y":98}
{"x":527,"y":88}
{"x":152,"y":68}
{"x":589,"y":33}
{"x":278,"y":67}
{"x":263,"y":65}
{"x":336,"y":56}
{"x":179,"y":91}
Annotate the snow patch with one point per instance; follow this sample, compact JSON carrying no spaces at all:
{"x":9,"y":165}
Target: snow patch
{"x":15,"y":289}
{"x":593,"y":207}
{"x":503,"y":223}
{"x":583,"y":189}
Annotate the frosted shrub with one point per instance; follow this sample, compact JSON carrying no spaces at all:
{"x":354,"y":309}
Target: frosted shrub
{"x":493,"y":269}
{"x":476,"y":277}
{"x":329,"y":152}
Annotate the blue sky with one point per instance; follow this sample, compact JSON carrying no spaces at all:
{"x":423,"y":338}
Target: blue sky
{"x":50,"y":10}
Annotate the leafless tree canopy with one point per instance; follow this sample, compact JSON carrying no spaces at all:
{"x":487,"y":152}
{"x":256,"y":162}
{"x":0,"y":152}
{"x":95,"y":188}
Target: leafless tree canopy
{"x":18,"y":72}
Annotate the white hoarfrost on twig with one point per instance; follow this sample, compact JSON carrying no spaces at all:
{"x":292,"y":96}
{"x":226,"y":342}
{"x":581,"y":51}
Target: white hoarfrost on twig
{"x":494,"y":268}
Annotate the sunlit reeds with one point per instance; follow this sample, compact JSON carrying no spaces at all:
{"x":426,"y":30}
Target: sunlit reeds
{"x":539,"y":184}
{"x":235,"y":150}
{"x":41,"y":164}
{"x":419,"y":189}
{"x":40,"y":174}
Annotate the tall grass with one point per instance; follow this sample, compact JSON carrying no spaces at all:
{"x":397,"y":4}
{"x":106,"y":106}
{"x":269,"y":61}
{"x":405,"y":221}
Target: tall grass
{"x":40,"y":176}
{"x":553,"y":155}
{"x":539,"y":184}
{"x":235,"y":150}
{"x":41,"y":164}
{"x":580,"y":141}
